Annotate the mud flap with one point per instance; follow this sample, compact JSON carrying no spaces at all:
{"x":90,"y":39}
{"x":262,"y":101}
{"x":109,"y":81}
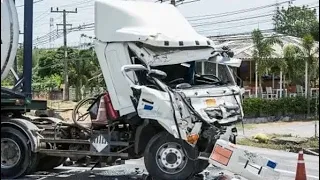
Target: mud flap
{"x":249,"y":165}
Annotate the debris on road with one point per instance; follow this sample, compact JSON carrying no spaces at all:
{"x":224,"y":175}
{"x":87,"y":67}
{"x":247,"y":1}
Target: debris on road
{"x":261,"y":138}
{"x":293,"y":140}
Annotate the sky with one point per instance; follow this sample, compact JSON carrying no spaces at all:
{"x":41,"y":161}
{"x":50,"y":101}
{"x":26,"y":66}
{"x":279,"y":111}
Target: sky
{"x":194,"y":12}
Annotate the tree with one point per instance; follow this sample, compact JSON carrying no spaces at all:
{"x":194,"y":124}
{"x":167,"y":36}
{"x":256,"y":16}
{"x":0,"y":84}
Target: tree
{"x":82,"y":68}
{"x":303,"y":57}
{"x":294,"y":59}
{"x":262,"y":52}
{"x":309,"y":52}
{"x":49,"y":64}
{"x":297,"y":21}
{"x":315,"y":31}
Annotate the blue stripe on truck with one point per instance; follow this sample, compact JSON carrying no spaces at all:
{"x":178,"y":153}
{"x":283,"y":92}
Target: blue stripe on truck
{"x":148,"y":107}
{"x":271,"y":164}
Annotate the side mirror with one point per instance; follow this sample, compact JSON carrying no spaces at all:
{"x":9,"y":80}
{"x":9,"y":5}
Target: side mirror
{"x":157,"y":74}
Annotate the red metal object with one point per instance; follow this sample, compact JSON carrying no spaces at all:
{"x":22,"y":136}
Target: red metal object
{"x":112,"y":114}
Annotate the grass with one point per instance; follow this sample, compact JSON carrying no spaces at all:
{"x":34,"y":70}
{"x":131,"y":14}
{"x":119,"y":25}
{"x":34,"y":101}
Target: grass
{"x":291,"y":147}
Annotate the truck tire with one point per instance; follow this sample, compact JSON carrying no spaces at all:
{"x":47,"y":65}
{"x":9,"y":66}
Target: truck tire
{"x":201,"y":166}
{"x":165,"y":159}
{"x":34,"y":162}
{"x":16,"y":154}
{"x":50,"y":162}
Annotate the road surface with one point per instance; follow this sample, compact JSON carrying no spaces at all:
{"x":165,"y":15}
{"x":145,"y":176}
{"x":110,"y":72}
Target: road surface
{"x":286,"y":166}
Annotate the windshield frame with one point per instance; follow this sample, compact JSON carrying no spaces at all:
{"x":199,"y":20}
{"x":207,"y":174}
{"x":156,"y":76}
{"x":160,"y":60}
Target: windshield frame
{"x":191,"y":71}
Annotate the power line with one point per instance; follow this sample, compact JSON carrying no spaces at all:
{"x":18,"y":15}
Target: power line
{"x":218,"y":16}
{"x":226,"y":21}
{"x":47,"y":12}
{"x":243,"y":33}
{"x":76,"y":3}
{"x":246,"y":38}
{"x":236,"y":12}
{"x":46,"y":23}
{"x":241,"y":25}
{"x":33,"y":3}
{"x":55,"y":34}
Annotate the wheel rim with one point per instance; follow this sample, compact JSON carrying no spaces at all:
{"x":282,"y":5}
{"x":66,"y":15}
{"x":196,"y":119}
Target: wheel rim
{"x":171,"y":158}
{"x":10,"y":153}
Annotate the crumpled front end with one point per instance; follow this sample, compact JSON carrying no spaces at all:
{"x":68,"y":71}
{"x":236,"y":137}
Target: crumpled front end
{"x":221,"y":104}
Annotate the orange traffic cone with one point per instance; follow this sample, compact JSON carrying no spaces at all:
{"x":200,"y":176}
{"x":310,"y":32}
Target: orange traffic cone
{"x":301,"y":168}
{"x":102,"y":113}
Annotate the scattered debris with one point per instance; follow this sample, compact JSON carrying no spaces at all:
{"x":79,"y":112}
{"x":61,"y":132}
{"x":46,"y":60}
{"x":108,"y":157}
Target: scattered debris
{"x":292,"y":140}
{"x":311,"y":151}
{"x":261,"y":138}
{"x":285,"y":142}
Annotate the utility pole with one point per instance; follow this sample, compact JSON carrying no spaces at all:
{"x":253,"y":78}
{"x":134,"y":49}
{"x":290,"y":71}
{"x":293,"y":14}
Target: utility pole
{"x":66,"y":77}
{"x":50,"y":38}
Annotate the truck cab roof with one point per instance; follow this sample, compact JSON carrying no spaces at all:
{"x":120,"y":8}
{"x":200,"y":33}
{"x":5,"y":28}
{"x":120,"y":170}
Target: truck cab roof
{"x":155,"y":24}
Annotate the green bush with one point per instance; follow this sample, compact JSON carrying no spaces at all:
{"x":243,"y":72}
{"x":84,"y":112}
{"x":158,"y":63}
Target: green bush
{"x":256,"y":107}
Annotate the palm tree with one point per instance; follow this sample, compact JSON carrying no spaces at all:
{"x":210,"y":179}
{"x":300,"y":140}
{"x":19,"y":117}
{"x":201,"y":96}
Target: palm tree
{"x":294,"y":59}
{"x":303,"y":56}
{"x":262,"y":53}
{"x":311,"y":64}
{"x":83,"y":67}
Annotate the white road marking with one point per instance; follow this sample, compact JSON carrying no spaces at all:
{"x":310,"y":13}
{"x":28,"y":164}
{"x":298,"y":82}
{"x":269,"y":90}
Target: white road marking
{"x":290,"y":172}
{"x":42,"y":178}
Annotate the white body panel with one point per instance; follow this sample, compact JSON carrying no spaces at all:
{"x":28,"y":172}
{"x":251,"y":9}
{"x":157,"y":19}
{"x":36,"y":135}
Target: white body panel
{"x":9,"y":36}
{"x":147,"y":22}
{"x":161,"y":110}
{"x":111,"y":58}
{"x":151,"y":24}
{"x":251,"y":166}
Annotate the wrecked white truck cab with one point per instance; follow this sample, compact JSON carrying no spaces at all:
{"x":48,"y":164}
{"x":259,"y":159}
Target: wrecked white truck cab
{"x":141,"y":33}
{"x":149,"y":54}
{"x":161,"y":104}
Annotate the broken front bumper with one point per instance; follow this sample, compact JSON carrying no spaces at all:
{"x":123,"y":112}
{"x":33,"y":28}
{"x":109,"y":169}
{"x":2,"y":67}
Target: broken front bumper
{"x":239,"y":161}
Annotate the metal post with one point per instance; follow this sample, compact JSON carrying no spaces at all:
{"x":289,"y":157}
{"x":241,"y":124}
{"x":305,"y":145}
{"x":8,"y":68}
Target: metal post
{"x":66,"y":76}
{"x":317,"y":118}
{"x":50,"y":38}
{"x":27,"y":47}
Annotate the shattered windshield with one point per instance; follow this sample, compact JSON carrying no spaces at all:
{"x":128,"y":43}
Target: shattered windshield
{"x":197,"y":73}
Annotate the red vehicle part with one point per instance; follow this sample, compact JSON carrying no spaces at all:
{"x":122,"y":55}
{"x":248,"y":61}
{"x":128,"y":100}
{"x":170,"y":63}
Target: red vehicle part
{"x":112,"y":114}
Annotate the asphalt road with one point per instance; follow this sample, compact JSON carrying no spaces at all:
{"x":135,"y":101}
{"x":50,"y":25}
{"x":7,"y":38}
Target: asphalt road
{"x":287,"y":163}
{"x":286,"y":166}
